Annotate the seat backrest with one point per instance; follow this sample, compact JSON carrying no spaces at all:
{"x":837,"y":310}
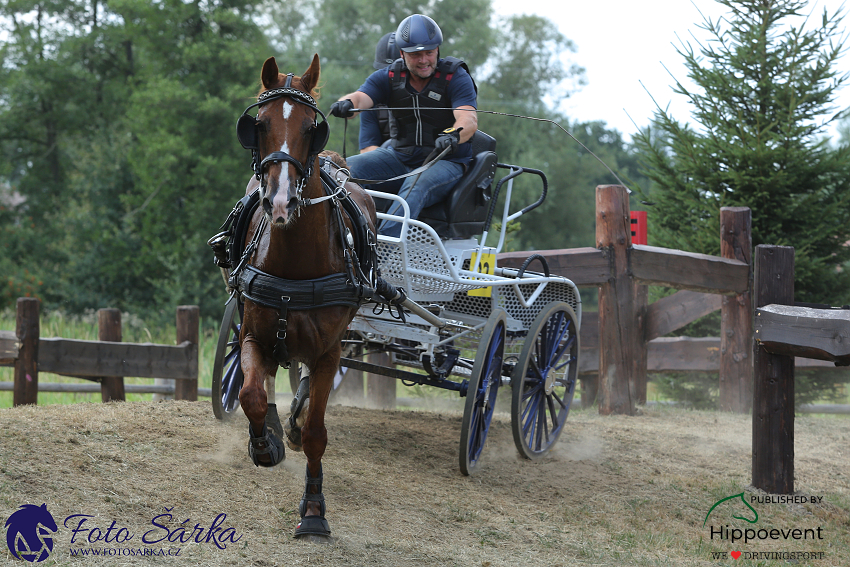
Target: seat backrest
{"x":463,"y":213}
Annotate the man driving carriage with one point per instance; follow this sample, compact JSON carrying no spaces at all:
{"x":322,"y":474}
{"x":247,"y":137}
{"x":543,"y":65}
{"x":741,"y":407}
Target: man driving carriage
{"x":438,"y":101}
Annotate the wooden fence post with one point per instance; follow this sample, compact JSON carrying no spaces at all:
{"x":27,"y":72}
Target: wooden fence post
{"x":109,"y":329}
{"x":27,"y":329}
{"x":736,"y":316}
{"x":638,"y":378}
{"x":773,"y":383}
{"x":620,"y":337}
{"x":188,"y":329}
{"x":380,"y":390}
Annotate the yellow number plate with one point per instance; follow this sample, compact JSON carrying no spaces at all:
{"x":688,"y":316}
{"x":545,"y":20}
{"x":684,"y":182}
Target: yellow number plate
{"x":488,"y":264}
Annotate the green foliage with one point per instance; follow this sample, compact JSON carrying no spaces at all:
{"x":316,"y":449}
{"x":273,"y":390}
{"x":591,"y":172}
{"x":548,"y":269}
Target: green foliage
{"x":700,"y":390}
{"x":116,"y":122}
{"x":765,"y":88}
{"x":116,"y":132}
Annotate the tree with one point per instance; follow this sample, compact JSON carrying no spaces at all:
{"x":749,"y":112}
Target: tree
{"x":765,"y":86}
{"x":116,"y":131}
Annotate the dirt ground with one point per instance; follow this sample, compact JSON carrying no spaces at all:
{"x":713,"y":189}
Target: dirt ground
{"x":615,"y":491}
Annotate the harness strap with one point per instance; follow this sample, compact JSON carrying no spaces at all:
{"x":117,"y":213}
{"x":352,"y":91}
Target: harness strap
{"x":266,"y":289}
{"x":281,"y":353}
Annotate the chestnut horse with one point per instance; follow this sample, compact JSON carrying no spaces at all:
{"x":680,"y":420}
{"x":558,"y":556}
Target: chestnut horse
{"x":302,"y":238}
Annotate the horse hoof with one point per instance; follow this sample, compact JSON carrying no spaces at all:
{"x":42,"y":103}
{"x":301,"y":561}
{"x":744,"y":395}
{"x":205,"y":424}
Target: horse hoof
{"x":314,"y":529}
{"x":313,"y":538}
{"x":267,"y":449}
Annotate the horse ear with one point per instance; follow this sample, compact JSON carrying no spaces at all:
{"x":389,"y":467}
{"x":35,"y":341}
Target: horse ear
{"x":270,"y":73}
{"x":310,"y":78}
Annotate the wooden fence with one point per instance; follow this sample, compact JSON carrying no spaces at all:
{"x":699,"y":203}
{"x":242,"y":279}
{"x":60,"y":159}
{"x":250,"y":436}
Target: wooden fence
{"x":633,"y":330}
{"x":784,"y":331}
{"x":106,"y":360}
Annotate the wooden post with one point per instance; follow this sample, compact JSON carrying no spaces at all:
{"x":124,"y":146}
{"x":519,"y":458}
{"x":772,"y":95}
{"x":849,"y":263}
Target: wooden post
{"x":638,"y":379}
{"x":736,"y":316}
{"x":109,"y":329}
{"x":773,"y":384}
{"x":619,"y":338}
{"x":589,"y":339}
{"x":380,"y":390}
{"x":188,"y":329}
{"x":27,"y":330}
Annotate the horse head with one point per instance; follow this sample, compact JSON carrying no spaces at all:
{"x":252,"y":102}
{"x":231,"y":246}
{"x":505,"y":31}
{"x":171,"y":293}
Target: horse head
{"x":289,"y":137}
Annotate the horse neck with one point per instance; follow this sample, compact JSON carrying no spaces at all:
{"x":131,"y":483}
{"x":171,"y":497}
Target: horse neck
{"x":310,"y":246}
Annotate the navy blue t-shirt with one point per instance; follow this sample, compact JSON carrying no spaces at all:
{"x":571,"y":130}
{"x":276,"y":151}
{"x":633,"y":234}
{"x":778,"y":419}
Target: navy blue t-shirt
{"x":460,"y":91}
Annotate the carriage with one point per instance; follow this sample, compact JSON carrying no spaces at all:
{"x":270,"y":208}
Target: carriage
{"x":465,"y":324}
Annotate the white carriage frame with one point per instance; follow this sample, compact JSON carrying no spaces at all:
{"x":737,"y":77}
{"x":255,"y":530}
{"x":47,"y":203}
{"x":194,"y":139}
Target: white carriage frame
{"x":438,"y":274}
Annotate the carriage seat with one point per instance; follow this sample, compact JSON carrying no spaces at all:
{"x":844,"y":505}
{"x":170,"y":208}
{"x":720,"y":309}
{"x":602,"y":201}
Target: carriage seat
{"x":463,"y":213}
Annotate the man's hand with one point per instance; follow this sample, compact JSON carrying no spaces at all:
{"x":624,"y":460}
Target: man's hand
{"x":342,"y":108}
{"x":448,"y":138}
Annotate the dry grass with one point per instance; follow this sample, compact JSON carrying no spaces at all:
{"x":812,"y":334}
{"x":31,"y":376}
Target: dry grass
{"x":615,"y":491}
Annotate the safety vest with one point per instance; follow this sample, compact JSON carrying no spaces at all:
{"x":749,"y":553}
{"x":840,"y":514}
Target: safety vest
{"x":414,"y":126}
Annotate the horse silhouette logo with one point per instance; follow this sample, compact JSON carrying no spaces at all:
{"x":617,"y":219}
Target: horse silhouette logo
{"x":29,"y":533}
{"x":737,"y":517}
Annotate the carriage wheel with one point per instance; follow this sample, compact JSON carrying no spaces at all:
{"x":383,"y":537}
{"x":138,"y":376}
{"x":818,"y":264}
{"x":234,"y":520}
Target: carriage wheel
{"x":227,"y":370}
{"x":544,"y":380}
{"x":481,"y":395}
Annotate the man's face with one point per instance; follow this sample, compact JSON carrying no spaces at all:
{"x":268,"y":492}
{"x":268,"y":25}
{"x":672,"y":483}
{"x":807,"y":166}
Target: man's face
{"x":421,"y":63}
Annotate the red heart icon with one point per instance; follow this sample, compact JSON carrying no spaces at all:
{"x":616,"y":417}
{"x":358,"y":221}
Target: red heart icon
{"x":735,"y":554}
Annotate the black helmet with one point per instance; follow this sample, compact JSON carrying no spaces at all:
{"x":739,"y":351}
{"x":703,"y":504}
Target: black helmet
{"x":386,"y":51}
{"x":418,"y":33}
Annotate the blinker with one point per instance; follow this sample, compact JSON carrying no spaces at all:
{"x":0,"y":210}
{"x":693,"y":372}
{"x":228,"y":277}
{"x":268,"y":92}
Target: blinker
{"x":247,"y":132}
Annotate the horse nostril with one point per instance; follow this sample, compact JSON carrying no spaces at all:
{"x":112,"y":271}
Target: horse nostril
{"x":267,"y":206}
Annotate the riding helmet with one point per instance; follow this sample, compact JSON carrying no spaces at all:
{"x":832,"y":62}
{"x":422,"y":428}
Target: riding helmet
{"x":418,"y":33}
{"x":386,"y":51}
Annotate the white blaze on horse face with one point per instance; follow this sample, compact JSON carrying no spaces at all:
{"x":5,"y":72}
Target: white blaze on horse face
{"x":287,"y":110}
{"x":280,"y":201}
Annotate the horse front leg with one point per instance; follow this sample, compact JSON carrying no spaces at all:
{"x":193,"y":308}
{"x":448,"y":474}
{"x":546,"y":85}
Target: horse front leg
{"x":314,"y":437}
{"x":264,"y":431}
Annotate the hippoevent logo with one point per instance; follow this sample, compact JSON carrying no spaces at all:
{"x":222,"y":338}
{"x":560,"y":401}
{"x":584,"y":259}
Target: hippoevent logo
{"x":741,"y":508}
{"x":30,"y":532}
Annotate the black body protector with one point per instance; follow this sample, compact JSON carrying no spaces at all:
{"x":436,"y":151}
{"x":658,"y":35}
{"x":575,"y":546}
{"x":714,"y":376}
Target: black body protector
{"x":410,"y":128}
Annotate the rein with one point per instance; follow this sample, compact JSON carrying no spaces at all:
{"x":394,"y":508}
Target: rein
{"x":534,"y":118}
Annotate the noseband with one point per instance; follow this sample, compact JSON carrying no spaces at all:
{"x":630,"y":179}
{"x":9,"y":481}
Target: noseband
{"x":247,"y":131}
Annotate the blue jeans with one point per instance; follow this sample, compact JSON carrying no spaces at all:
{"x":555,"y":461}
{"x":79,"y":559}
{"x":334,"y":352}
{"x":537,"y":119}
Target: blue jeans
{"x":432,"y":186}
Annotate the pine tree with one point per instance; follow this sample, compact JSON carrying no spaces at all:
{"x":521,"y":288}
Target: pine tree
{"x":765,"y":88}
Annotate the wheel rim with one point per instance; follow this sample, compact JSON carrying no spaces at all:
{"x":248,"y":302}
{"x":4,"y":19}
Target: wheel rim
{"x":227,"y":371}
{"x":481,"y":395}
{"x":546,"y":383}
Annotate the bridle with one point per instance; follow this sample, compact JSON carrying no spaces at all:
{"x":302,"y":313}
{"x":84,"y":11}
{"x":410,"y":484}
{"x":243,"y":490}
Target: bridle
{"x":247,"y":131}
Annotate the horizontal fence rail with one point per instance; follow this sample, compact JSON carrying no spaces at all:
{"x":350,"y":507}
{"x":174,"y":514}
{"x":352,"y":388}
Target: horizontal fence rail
{"x":106,"y":361}
{"x":822,"y":334}
{"x":98,"y":359}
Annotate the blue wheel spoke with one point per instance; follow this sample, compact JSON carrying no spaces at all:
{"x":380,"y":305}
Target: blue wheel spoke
{"x":552,"y":411}
{"x":531,"y":391}
{"x":567,"y":344}
{"x":566,"y":362}
{"x":541,"y":424}
{"x":559,"y":400}
{"x":555,"y":351}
